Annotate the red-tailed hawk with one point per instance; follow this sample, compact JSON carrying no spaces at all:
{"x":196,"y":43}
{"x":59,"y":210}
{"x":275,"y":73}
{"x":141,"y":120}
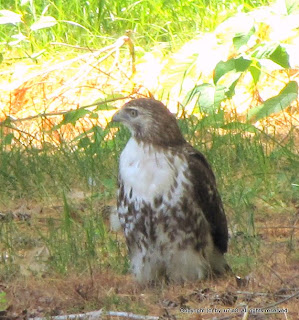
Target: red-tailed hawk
{"x":168,"y":203}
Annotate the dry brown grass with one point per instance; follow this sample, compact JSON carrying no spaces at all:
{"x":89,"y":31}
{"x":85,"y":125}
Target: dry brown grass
{"x":80,"y":293}
{"x":275,"y":277}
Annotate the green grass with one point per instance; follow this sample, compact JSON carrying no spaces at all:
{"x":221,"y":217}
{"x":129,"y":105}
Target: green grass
{"x":74,"y":242}
{"x":250,"y":179}
{"x":247,"y":176}
{"x":47,"y":175}
{"x":257,"y":176}
{"x":96,"y":23}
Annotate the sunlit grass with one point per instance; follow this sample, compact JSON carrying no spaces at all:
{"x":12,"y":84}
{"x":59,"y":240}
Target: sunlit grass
{"x":93,"y":23}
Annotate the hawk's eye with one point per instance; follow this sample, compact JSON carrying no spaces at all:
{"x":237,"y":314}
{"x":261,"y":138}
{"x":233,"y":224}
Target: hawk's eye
{"x":133,"y":113}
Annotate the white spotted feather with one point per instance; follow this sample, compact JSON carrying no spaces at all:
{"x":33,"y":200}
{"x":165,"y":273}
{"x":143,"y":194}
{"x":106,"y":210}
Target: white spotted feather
{"x":150,"y":174}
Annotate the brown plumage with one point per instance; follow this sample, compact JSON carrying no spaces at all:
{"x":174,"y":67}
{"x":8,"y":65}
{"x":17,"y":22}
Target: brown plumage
{"x":168,"y":203}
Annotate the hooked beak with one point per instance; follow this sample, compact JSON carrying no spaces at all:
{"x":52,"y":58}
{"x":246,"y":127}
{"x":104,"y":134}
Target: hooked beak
{"x":117,"y":117}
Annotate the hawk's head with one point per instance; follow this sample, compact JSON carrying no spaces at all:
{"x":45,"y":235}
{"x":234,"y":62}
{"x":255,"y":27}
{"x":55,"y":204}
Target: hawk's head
{"x":150,"y":121}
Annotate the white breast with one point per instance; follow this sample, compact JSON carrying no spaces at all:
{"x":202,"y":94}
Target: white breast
{"x":147,"y":171}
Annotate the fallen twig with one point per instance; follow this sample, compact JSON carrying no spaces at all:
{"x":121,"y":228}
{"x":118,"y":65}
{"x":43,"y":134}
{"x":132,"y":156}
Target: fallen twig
{"x":72,"y":46}
{"x":10,"y":119}
{"x":246,"y":315}
{"x":89,"y":57}
{"x":276,"y":274}
{"x":269,"y":306}
{"x":262,"y":294}
{"x":278,"y":227}
{"x":296,"y":294}
{"x":86,"y":56}
{"x":97,"y":315}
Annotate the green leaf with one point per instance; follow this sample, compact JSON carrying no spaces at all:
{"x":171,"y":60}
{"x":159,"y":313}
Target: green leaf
{"x":74,"y":115}
{"x":219,"y":96}
{"x":280,"y":56}
{"x":222,"y":68}
{"x":255,"y":71}
{"x":275,"y":104}
{"x":237,"y":65}
{"x":231,"y":89}
{"x":93,"y":115}
{"x":104,"y":107}
{"x":43,"y":22}
{"x":1,"y":57}
{"x":274,"y":52}
{"x":71,"y":117}
{"x":16,"y":39}
{"x":209,"y":97}
{"x":8,"y":139}
{"x":7,"y":16}
{"x":264,"y":50}
{"x":291,"y":6}
{"x":241,"y":39}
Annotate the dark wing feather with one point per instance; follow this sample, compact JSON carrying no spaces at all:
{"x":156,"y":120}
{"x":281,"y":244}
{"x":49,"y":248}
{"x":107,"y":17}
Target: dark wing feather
{"x":206,"y":193}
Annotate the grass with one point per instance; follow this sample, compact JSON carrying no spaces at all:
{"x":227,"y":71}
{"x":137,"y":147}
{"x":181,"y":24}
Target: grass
{"x":248,"y":177}
{"x":57,"y":187}
{"x":96,"y":23}
{"x":257,"y":188}
{"x":55,"y":217}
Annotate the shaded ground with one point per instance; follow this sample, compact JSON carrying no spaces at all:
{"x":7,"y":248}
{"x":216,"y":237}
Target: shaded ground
{"x":274,"y":278}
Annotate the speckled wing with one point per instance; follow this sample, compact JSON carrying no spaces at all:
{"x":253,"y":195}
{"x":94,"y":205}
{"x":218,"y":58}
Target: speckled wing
{"x":207,"y":196}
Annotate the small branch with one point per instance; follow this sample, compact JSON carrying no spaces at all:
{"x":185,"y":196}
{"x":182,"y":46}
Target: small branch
{"x":93,"y":315}
{"x":282,"y":227}
{"x":90,"y":56}
{"x":245,"y":315}
{"x":88,"y":66}
{"x":22,"y":132}
{"x":132,"y":50}
{"x":97,"y":315}
{"x":276,"y":274}
{"x":262,"y":294}
{"x":61,"y":113}
{"x":72,"y":46}
{"x":296,"y":294}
